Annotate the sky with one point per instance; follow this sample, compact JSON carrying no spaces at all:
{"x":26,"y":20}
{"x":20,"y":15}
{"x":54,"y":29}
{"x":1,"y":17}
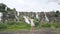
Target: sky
{"x":33,"y":5}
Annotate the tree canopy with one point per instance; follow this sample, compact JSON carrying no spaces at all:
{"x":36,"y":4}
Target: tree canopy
{"x":2,"y":9}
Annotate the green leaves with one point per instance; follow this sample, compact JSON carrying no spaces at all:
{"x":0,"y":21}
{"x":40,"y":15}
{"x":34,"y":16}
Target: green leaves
{"x":57,"y":13}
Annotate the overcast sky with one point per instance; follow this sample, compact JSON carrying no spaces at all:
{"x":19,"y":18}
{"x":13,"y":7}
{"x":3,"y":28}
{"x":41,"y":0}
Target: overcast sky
{"x":32,"y":5}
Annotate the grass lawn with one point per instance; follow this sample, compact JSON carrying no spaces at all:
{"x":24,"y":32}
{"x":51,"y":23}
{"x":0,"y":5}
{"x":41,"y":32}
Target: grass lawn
{"x":15,"y":26}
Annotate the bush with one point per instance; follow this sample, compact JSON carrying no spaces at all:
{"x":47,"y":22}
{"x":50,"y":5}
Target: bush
{"x":11,"y":22}
{"x":37,"y":24}
{"x":19,"y":26}
{"x":3,"y":26}
{"x":48,"y":25}
{"x":57,"y":25}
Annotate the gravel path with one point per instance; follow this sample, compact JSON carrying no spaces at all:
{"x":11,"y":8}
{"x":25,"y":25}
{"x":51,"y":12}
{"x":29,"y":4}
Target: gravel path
{"x":47,"y":31}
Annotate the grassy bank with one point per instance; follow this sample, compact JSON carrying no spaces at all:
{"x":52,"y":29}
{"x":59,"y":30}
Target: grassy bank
{"x":24,"y":26}
{"x":14,"y":26}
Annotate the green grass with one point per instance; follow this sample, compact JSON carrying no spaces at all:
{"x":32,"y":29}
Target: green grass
{"x":25,"y":26}
{"x":13,"y":25}
{"x":19,"y":26}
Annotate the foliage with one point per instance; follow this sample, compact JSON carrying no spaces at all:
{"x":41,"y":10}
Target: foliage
{"x":11,"y":22}
{"x":46,"y":25}
{"x":57,"y":13}
{"x":37,"y":24}
{"x":14,"y":26}
{"x":3,"y":26}
{"x":25,"y":26}
{"x":22,"y":25}
{"x":2,"y":7}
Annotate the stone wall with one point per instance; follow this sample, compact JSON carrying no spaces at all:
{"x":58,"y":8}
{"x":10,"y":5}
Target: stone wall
{"x":50,"y":15}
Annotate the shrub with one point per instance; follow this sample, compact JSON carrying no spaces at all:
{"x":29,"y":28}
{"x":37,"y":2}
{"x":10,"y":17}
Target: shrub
{"x":3,"y":26}
{"x":48,"y":25}
{"x":11,"y":22}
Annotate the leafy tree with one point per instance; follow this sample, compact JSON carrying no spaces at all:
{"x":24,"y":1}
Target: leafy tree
{"x":2,"y":7}
{"x":14,"y":11}
{"x":9,"y":11}
{"x":57,"y":13}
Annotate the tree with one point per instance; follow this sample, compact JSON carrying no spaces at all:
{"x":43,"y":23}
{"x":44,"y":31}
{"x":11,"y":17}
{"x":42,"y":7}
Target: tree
{"x":57,"y":13}
{"x":14,"y":11}
{"x":2,"y":7}
{"x":10,"y":12}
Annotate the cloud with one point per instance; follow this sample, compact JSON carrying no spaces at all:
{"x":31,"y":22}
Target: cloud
{"x":32,"y":5}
